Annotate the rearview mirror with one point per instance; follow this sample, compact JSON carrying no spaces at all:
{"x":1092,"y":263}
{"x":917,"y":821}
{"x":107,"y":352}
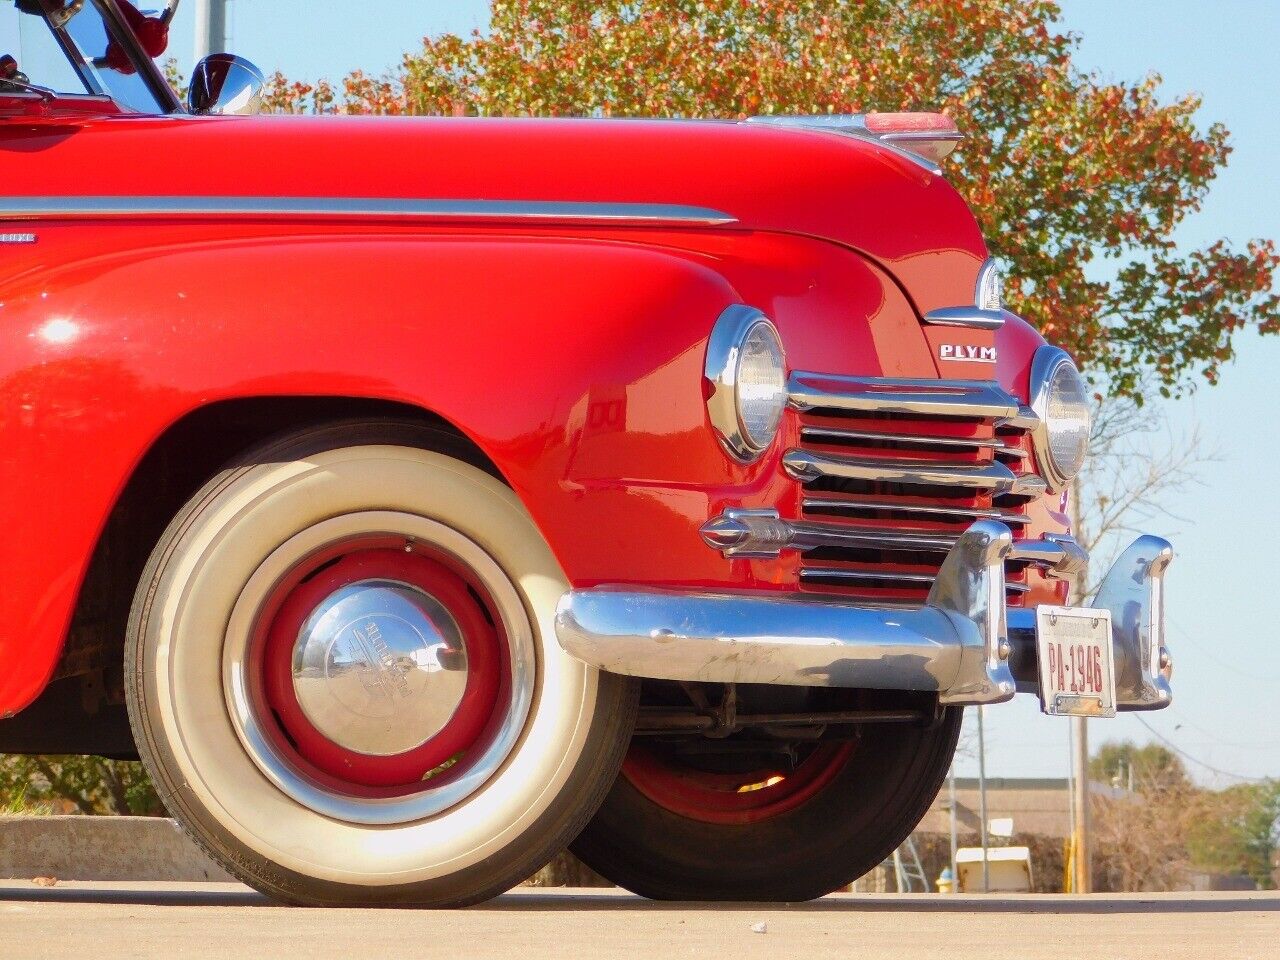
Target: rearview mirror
{"x":225,"y":84}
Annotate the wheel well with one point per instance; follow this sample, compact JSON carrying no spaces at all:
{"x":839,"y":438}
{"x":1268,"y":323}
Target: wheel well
{"x":182,"y":460}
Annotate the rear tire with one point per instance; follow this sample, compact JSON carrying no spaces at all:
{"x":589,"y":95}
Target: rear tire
{"x":297,"y":796}
{"x":662,"y":834}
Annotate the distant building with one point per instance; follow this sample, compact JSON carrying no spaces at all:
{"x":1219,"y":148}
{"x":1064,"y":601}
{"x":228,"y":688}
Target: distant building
{"x":1038,"y":805}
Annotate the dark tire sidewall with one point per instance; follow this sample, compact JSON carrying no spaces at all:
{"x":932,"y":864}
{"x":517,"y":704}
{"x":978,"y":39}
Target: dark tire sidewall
{"x":849,"y":827}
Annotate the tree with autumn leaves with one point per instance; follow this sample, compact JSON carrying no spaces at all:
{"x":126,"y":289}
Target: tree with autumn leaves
{"x":1078,"y":183}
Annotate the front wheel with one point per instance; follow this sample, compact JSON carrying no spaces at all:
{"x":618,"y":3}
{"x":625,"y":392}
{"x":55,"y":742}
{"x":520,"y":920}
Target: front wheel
{"x":733,"y":820}
{"x":343,"y":678}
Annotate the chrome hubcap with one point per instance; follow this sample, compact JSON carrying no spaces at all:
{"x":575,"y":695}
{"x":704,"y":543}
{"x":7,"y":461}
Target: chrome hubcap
{"x":380,"y":667}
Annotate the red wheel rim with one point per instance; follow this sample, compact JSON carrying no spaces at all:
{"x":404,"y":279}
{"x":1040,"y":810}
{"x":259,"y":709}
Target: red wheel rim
{"x":732,"y":798}
{"x":307,"y":746}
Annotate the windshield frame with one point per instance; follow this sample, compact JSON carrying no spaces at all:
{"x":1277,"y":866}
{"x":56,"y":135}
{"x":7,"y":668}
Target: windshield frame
{"x":165,"y":97}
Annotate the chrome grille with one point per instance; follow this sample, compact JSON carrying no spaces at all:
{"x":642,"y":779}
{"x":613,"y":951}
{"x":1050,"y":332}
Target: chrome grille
{"x":894,"y":470}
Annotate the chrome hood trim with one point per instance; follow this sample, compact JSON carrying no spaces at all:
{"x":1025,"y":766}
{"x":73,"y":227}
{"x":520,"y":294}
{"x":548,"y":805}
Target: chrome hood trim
{"x":57,"y":208}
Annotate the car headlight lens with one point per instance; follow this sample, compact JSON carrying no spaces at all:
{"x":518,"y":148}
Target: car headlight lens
{"x":746,"y":370}
{"x":1061,"y":401}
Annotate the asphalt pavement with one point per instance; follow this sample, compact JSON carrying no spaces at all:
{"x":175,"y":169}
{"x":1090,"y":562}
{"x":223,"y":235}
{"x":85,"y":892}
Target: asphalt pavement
{"x":116,"y":920}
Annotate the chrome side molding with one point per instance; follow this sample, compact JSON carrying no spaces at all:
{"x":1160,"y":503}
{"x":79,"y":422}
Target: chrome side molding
{"x":63,"y":208}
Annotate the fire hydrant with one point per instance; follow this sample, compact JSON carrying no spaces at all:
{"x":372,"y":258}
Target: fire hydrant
{"x":946,"y":882}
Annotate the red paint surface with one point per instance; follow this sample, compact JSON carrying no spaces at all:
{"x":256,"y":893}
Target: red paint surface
{"x":572,"y":355}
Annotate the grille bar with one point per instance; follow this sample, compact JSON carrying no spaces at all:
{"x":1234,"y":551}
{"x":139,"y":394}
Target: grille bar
{"x":813,"y":535}
{"x":925,"y":510}
{"x":922,"y":580}
{"x":836,"y":435}
{"x":895,"y":470}
{"x":871,"y":576}
{"x":804,"y":465}
{"x":961,"y":399}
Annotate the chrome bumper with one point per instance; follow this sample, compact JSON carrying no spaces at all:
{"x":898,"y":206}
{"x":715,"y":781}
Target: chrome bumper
{"x":962,"y":643}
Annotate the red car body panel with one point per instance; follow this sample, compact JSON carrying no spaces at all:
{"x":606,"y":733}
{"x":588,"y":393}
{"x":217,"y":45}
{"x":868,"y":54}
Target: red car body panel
{"x":570,"y":353}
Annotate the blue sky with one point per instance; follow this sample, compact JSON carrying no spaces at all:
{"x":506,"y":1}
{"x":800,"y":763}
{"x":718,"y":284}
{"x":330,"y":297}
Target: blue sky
{"x":1221,"y":606}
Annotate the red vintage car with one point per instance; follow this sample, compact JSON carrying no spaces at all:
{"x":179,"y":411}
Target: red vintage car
{"x":421,"y":497}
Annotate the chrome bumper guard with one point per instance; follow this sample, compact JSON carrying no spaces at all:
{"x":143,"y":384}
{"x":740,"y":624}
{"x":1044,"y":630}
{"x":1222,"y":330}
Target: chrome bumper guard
{"x":962,"y":643}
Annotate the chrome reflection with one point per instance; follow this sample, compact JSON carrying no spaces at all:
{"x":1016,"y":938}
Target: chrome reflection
{"x":1133,"y":590}
{"x":956,"y":644}
{"x":434,"y":796}
{"x":380,"y":667}
{"x":224,"y":84}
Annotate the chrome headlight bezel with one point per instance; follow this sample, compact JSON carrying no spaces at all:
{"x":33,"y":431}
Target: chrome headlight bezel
{"x":734,"y":328}
{"x":1046,"y":366}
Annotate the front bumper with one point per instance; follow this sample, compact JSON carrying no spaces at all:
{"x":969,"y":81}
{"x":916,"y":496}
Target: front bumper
{"x":963,"y":643}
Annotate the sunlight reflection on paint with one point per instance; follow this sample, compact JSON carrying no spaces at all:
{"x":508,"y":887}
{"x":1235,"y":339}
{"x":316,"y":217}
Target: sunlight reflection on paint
{"x":60,"y":331}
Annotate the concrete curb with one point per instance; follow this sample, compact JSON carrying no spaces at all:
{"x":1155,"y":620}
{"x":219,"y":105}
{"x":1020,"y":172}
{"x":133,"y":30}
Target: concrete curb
{"x":102,"y":848}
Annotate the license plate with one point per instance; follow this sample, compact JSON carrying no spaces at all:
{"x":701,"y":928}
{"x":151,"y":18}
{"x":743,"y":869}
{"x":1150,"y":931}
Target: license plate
{"x":1077,"y":676}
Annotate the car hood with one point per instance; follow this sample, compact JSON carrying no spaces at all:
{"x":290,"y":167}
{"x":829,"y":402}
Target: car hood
{"x":836,"y":187}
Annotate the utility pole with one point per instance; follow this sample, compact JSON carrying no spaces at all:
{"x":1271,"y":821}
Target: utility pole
{"x":951,"y":797}
{"x":1083,"y":879}
{"x":982,"y":801}
{"x":211,"y":28}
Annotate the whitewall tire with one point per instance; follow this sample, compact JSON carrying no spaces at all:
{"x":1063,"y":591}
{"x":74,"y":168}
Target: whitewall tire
{"x":414,"y":734}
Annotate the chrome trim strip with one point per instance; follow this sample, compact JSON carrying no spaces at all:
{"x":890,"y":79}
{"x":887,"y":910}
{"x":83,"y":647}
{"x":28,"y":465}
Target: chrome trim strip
{"x":909,"y":397}
{"x":975,"y":318}
{"x":972,"y":513}
{"x":956,"y":644}
{"x":852,"y":125}
{"x":45,"y":207}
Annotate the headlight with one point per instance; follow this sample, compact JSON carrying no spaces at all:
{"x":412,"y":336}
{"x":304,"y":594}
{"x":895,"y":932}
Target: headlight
{"x":1060,"y":400}
{"x":747,"y":377}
